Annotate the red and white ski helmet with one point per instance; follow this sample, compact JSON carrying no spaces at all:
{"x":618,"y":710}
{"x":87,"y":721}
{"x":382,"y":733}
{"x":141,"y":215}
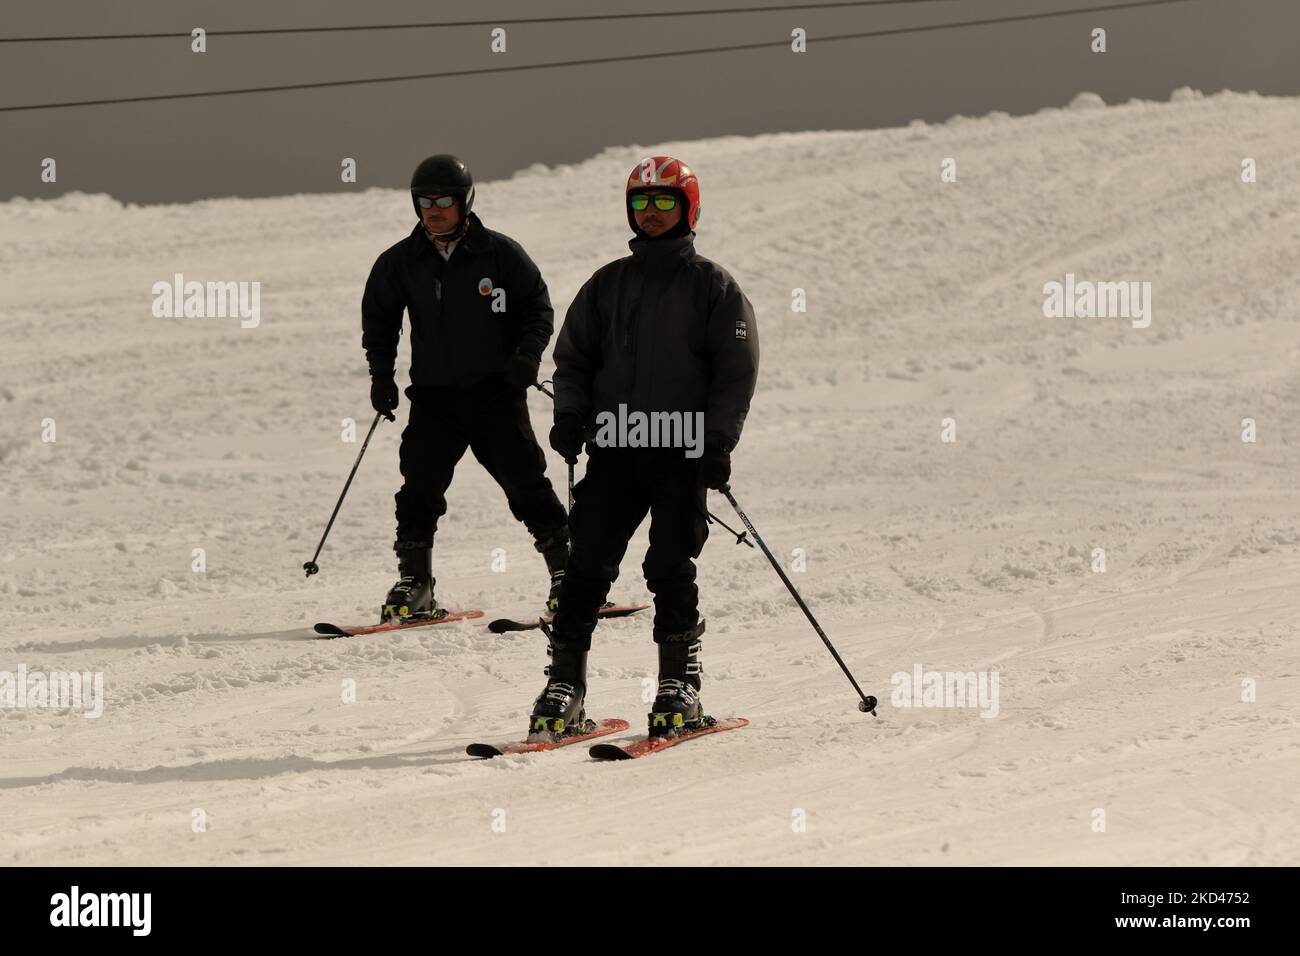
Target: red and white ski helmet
{"x":664,"y":172}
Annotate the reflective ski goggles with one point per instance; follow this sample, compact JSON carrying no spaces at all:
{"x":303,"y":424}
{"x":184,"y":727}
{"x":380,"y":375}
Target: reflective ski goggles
{"x":640,"y":202}
{"x":442,"y":202}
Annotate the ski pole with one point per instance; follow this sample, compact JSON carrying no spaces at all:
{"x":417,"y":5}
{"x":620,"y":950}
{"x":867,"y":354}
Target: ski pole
{"x":311,"y":567}
{"x":541,"y":387}
{"x":740,"y":535}
{"x":866,"y":704}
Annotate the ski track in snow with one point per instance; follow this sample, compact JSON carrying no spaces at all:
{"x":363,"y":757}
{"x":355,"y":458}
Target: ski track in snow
{"x":1119,"y":691}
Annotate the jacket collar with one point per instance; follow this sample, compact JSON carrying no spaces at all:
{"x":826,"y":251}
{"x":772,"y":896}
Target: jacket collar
{"x":661,"y":256}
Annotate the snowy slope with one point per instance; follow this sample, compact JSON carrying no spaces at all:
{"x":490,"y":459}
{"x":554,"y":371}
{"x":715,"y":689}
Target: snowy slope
{"x":1119,"y":691}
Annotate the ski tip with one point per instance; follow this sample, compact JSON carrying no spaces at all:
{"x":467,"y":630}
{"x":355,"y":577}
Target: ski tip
{"x":644,"y":746}
{"x":609,"y":752}
{"x":726,"y":723}
{"x":482,"y":750}
{"x":620,"y":610}
{"x":504,"y":625}
{"x":330,"y":630}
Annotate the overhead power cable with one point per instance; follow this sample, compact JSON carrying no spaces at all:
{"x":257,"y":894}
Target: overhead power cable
{"x":623,"y":58}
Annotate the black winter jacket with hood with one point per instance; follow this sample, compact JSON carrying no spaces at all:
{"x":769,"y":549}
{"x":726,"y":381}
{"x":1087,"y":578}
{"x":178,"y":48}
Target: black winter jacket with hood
{"x":469,"y":313}
{"x":662,"y":330}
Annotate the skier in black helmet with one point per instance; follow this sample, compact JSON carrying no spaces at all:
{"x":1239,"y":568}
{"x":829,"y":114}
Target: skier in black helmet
{"x":663,"y":332}
{"x":480,"y":319}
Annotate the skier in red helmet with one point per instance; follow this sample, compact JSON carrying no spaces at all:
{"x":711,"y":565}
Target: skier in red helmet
{"x":665,"y":336}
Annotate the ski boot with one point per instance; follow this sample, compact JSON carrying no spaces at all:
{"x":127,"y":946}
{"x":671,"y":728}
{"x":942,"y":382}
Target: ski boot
{"x":555,"y":549}
{"x":677,"y":707}
{"x":412,"y":595}
{"x":558,"y":712}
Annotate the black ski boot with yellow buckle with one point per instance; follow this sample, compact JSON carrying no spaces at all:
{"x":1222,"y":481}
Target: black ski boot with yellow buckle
{"x":412,"y":596}
{"x":558,"y":712}
{"x":554,"y":548}
{"x":677,"y":707}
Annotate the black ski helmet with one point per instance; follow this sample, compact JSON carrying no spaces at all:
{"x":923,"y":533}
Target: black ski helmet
{"x":447,"y":176}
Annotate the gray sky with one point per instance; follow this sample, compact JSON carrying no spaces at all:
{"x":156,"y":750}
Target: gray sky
{"x":284,"y":142}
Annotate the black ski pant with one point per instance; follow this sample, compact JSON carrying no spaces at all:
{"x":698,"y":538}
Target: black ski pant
{"x":610,"y":502}
{"x":491,"y":420}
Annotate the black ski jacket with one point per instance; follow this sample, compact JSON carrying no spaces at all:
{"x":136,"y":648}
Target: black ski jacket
{"x":662,"y":330}
{"x":468,"y":314}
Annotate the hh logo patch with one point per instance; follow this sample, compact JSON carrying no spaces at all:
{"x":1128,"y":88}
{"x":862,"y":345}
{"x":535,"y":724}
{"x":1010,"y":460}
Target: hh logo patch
{"x":742,"y":330}
{"x":485,"y":286}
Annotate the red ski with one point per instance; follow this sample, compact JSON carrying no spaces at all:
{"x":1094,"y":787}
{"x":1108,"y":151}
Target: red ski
{"x":330,"y":631}
{"x":652,"y":745}
{"x":599,"y":728}
{"x":503,"y":624}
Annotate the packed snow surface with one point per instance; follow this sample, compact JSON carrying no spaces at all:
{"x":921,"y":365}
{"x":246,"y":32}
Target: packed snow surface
{"x":1146,"y":713}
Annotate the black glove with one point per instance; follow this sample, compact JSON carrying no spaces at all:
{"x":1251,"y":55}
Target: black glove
{"x":383,"y":394}
{"x":567,"y":436}
{"x":521,"y":370}
{"x":715,"y":466}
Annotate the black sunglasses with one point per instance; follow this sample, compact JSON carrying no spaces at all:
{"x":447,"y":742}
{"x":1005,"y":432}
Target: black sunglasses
{"x":442,"y":202}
